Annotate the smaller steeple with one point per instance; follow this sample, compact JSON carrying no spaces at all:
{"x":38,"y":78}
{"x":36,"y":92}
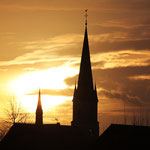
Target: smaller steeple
{"x":96,"y":91}
{"x":39,"y":111}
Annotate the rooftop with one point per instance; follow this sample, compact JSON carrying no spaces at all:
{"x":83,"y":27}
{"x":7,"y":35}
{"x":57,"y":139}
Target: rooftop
{"x":53,"y":136}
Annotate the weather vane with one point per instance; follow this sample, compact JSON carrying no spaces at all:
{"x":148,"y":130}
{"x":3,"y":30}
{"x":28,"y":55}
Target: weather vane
{"x":86,"y":15}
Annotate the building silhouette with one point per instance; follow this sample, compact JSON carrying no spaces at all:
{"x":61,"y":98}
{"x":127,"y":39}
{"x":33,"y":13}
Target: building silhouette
{"x":39,"y":111}
{"x":23,"y":136}
{"x":85,"y":95}
{"x":123,"y":137}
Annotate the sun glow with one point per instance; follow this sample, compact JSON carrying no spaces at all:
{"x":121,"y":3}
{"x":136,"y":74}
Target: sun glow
{"x":29,"y":102}
{"x":52,"y":78}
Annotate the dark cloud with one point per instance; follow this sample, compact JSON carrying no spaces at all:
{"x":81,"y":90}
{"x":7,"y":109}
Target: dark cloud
{"x":137,"y":45}
{"x":121,"y":73}
{"x":124,"y":88}
{"x":117,"y":34}
{"x":123,"y":96}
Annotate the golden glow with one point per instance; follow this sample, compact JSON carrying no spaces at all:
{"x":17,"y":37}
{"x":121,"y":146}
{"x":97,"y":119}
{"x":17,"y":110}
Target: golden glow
{"x":29,"y":102}
{"x":46,"y":79}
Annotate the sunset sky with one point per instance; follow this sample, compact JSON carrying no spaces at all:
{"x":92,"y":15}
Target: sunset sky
{"x":40,"y":47}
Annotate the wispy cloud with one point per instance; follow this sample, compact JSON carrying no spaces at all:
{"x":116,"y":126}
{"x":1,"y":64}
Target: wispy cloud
{"x":47,"y":50}
{"x":120,"y":59}
{"x":60,"y":47}
{"x":55,"y":92}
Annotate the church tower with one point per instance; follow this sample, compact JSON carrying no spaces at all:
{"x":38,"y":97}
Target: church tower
{"x":39,"y":111}
{"x":85,"y":95}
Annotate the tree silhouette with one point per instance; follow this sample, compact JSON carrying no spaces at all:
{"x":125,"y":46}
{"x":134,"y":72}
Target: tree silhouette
{"x":14,"y":113}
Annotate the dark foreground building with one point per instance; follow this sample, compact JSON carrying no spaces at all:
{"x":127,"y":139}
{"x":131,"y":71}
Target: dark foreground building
{"x":45,"y":137}
{"x":124,"y":137}
{"x":58,"y":137}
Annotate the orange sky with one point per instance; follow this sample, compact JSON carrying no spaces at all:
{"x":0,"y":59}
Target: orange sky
{"x":38,"y":37}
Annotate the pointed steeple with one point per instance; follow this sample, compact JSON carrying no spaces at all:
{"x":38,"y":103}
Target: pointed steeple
{"x":39,"y":111}
{"x":75,"y":89}
{"x":96,"y":92}
{"x":85,"y":96}
{"x":85,"y":80}
{"x":39,"y":105}
{"x":75,"y":86}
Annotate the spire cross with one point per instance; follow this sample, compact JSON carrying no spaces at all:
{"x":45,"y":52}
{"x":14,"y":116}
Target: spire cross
{"x":86,"y":15}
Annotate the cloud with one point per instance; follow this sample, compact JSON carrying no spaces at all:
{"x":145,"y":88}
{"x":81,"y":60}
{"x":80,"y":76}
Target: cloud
{"x":70,"y":45}
{"x":120,"y":59}
{"x":123,"y":96}
{"x":68,"y":92}
{"x":118,"y":83}
{"x":118,"y":79}
{"x":137,"y":45}
{"x":71,"y":80}
{"x":110,"y":5}
{"x":127,"y":24}
{"x":140,"y":77}
{"x":58,"y":49}
{"x":53,"y":49}
{"x":117,"y":34}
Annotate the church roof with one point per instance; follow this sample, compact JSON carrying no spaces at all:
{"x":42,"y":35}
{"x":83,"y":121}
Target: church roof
{"x":47,"y":136}
{"x":124,"y":137}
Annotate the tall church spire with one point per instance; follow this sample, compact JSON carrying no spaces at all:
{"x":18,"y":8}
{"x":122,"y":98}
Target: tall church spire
{"x":85,"y":75}
{"x":85,"y":96}
{"x":39,"y":111}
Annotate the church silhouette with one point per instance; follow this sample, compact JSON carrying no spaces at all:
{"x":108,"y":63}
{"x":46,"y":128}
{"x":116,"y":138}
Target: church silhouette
{"x":84,"y":130}
{"x":85,"y":95}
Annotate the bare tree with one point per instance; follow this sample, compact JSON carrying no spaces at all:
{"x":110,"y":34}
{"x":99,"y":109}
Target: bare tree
{"x":15,"y":112}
